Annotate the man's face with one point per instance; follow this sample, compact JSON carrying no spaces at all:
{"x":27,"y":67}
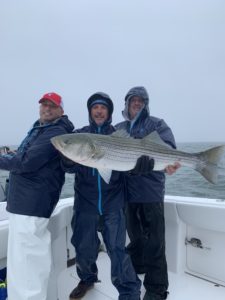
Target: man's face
{"x":135,"y":105}
{"x":49,"y":111}
{"x":99,"y":113}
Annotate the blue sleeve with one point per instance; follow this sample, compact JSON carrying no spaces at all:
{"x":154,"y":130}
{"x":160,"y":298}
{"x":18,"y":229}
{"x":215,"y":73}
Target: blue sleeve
{"x":39,"y":153}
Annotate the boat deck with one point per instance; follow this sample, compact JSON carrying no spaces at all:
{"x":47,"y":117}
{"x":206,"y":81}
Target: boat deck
{"x":182,"y":286}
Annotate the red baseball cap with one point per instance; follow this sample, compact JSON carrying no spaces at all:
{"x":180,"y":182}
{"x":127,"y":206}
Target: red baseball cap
{"x":53,"y":97}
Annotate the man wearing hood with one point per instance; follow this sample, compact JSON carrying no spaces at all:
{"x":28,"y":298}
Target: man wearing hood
{"x":95,"y":199}
{"x":145,"y":196}
{"x":35,"y":183}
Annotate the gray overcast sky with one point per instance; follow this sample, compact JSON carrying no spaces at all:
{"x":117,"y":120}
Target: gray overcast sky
{"x":175,"y":48}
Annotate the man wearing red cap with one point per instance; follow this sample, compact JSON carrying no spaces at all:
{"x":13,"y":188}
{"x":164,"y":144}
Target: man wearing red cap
{"x":35,"y":183}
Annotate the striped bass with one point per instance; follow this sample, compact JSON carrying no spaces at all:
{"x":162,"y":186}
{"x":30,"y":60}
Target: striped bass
{"x":120,"y":152}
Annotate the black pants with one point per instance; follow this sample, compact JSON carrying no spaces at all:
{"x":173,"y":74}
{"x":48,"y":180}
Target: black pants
{"x":146,"y":230}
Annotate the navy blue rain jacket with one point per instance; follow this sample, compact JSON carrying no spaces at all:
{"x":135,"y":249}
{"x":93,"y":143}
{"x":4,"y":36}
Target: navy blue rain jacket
{"x":150,"y":187}
{"x":36,"y":176}
{"x":91,"y":192}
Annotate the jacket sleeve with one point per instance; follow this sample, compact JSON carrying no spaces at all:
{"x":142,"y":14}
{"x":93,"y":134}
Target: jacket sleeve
{"x":36,"y":156}
{"x":166,"y":133}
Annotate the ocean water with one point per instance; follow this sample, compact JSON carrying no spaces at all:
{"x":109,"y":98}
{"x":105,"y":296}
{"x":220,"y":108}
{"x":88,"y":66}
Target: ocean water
{"x":185,"y":182}
{"x":188,"y":182}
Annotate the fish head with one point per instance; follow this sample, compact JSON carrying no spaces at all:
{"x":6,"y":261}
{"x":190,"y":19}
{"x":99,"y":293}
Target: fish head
{"x":78,"y":147}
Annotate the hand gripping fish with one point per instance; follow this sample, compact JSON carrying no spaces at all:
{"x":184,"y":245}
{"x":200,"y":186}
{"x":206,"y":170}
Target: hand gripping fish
{"x":120,"y":152}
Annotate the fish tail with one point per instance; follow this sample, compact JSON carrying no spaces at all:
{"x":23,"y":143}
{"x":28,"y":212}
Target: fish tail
{"x":209,"y":161}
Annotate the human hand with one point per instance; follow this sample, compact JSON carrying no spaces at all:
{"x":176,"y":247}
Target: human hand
{"x":171,"y":169}
{"x":66,"y":162}
{"x":144,"y":165}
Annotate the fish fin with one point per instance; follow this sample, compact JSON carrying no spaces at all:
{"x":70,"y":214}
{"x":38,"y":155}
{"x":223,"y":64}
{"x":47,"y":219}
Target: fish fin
{"x":105,"y":174}
{"x":208,"y":166}
{"x":154,"y":137}
{"x":121,"y":133}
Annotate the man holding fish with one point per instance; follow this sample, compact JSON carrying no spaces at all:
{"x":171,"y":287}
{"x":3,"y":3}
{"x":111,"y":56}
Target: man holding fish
{"x":95,"y":199}
{"x":145,"y":195}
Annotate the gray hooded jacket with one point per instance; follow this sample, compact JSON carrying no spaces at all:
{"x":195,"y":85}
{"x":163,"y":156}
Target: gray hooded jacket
{"x":150,"y":187}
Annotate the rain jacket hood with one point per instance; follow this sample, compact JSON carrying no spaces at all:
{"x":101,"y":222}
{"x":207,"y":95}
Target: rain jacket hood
{"x":138,"y":91}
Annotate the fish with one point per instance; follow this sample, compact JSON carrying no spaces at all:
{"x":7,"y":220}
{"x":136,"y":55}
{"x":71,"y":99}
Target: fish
{"x":120,"y":152}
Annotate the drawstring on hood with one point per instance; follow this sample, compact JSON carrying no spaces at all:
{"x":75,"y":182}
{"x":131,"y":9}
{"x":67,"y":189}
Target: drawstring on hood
{"x":138,"y":91}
